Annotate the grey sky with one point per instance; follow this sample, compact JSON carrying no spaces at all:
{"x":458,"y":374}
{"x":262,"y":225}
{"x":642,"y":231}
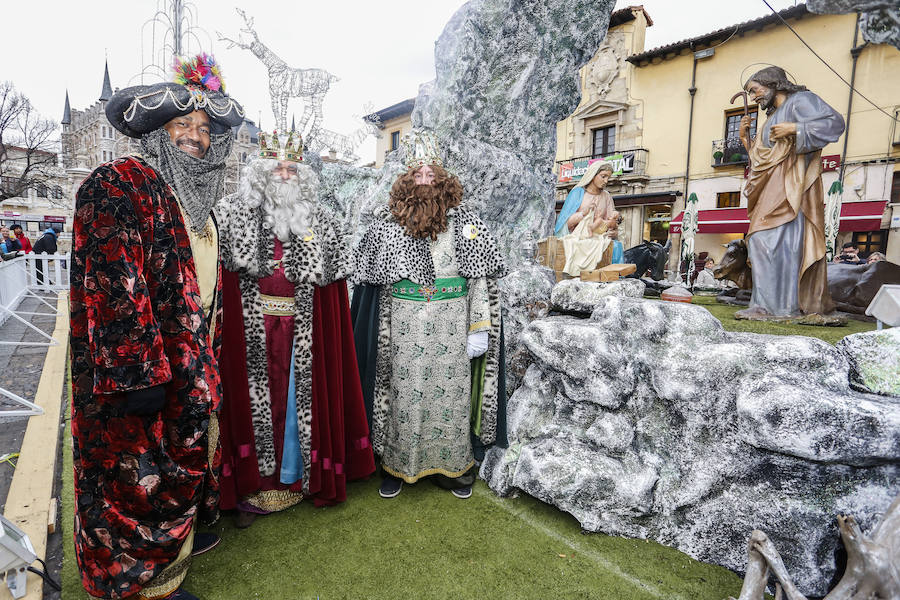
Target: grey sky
{"x":381,"y":50}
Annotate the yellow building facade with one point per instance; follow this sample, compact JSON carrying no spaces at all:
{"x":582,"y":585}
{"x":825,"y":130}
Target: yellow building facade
{"x":679,"y":112}
{"x":394,"y":122}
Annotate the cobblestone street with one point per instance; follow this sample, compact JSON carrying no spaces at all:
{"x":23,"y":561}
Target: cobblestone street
{"x":20,"y":372}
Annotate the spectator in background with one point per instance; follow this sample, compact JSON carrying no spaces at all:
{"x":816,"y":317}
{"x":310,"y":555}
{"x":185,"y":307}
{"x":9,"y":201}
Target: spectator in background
{"x":8,"y":244}
{"x":875,"y":257}
{"x":849,"y":255}
{"x":47,"y":244}
{"x":706,"y":278}
{"x":22,"y":238}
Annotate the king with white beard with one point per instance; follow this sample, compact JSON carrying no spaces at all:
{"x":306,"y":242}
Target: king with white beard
{"x":293,"y":421}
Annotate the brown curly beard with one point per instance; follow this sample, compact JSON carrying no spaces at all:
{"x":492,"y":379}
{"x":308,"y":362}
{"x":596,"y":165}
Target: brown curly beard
{"x":422,"y":209}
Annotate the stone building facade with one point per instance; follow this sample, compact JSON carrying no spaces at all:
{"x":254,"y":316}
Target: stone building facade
{"x":608,"y":124}
{"x":393,"y":123}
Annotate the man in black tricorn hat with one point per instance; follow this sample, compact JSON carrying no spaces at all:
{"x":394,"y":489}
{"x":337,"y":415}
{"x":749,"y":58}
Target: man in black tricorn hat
{"x":145,"y":324}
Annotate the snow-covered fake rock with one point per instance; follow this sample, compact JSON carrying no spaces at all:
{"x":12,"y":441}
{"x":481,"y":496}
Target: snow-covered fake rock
{"x":879,"y":19}
{"x":574,"y":295}
{"x":506,"y":73}
{"x":649,"y":420}
{"x":526,"y":297}
{"x":874,"y":360}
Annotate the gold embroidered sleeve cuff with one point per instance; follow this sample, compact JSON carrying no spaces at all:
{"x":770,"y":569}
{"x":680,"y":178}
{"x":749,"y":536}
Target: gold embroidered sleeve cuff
{"x":479,"y":325}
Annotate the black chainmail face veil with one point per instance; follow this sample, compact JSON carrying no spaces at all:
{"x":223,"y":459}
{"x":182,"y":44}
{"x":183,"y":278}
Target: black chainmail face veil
{"x":198,"y":182}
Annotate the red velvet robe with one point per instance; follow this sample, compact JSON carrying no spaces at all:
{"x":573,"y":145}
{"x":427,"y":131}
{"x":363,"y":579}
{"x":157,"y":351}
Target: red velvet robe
{"x":136,"y":322}
{"x":340,"y":449}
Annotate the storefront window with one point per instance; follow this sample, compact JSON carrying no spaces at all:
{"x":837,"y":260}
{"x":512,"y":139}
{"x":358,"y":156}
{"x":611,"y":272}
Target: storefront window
{"x":868,"y":242}
{"x":656,"y":222}
{"x":728,"y":199}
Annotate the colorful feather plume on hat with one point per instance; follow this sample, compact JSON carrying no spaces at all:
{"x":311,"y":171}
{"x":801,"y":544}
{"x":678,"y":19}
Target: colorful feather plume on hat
{"x":201,"y":71}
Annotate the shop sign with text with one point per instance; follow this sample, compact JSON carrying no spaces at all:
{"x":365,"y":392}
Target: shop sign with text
{"x":623,"y":162}
{"x":832,"y":162}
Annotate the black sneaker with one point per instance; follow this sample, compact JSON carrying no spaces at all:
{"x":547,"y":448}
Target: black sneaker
{"x":204,"y":542}
{"x":390,"y":487}
{"x":244,"y":519}
{"x":463,"y":492}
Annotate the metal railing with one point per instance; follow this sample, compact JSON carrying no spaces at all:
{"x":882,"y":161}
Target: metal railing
{"x":30,"y":275}
{"x":729,"y":151}
{"x":47,"y":272}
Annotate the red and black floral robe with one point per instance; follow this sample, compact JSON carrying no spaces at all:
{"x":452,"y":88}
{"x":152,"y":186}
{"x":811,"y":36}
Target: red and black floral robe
{"x":137,"y":322}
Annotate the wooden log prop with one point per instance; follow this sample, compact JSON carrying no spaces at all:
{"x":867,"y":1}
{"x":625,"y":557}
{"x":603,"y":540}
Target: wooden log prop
{"x":609,"y":272}
{"x":872,"y":571}
{"x":551,"y":254}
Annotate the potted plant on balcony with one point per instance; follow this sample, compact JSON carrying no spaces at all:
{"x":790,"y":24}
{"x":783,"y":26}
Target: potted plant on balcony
{"x":737,"y":157}
{"x":717,"y":156}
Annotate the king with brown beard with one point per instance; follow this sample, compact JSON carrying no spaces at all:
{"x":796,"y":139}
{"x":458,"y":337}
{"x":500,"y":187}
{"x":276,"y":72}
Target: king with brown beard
{"x":292,"y":420}
{"x":427,"y":324}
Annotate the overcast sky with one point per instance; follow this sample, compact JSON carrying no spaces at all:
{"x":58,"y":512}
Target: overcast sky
{"x":381,"y":50}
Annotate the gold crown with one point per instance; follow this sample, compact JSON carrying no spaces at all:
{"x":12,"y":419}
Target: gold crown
{"x":281,"y":147}
{"x":421,"y":149}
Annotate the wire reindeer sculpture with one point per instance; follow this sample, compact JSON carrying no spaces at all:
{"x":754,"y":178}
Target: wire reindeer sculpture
{"x":285,"y":82}
{"x":345,"y":144}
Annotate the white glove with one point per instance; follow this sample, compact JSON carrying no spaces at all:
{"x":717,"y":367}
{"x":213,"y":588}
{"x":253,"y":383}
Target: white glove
{"x":477,"y":344}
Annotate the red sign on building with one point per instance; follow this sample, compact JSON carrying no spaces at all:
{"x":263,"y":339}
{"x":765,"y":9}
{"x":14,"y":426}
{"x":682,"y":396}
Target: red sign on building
{"x":832,"y":162}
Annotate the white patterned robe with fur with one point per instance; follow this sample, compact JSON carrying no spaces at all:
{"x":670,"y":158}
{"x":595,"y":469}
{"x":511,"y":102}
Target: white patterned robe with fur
{"x":387,"y":255}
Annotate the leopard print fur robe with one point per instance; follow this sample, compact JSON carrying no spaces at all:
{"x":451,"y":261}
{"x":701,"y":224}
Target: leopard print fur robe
{"x":247,"y":248}
{"x":386,"y":254}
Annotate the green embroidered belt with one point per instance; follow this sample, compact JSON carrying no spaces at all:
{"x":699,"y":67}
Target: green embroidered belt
{"x":446,"y":288}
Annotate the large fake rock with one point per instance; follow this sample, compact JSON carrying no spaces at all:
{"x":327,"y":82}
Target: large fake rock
{"x":648,"y":420}
{"x":874,"y":360}
{"x":506,"y":73}
{"x":576,"y":296}
{"x":526,"y":297}
{"x":342,"y":187}
{"x":879,"y":19}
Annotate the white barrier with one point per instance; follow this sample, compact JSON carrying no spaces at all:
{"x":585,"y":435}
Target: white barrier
{"x":13,"y":286}
{"x":31,"y":275}
{"x":47,"y":272}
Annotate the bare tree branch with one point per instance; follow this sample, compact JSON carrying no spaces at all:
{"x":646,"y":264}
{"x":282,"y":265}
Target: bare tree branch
{"x":27,"y":155}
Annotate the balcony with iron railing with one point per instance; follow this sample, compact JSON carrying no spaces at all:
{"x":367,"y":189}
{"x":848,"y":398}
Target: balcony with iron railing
{"x":626,"y":163}
{"x":729,"y":152}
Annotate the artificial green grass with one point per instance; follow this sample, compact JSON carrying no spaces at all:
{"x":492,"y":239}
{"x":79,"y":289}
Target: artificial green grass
{"x":725,"y":314}
{"x":428,"y":544}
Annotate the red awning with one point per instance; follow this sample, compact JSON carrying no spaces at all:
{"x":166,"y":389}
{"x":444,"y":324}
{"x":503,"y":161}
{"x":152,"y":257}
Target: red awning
{"x":855,"y":216}
{"x":717,"y":220}
{"x":862,"y":216}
